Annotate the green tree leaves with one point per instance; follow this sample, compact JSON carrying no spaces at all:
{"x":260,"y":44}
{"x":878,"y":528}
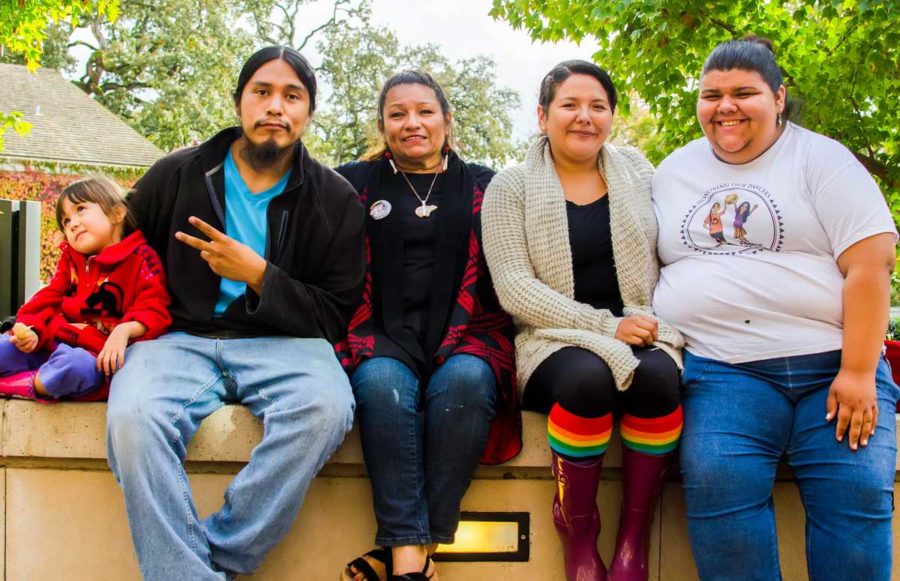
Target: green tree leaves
{"x":841,"y":61}
{"x":23,"y":23}
{"x":168,"y":68}
{"x":359,"y":57}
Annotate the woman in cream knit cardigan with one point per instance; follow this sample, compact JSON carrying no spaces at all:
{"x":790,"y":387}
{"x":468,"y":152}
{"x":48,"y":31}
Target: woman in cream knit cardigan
{"x":570,"y":239}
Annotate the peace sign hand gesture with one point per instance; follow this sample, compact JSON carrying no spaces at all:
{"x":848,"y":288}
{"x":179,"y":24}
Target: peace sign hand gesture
{"x":226,"y":256}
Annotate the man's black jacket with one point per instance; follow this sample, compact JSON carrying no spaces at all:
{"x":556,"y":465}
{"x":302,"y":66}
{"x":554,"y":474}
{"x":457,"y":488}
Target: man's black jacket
{"x":315,"y":248}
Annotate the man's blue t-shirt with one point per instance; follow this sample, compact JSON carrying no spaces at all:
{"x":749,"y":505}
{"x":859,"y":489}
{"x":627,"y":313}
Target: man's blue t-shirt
{"x":245,"y":221}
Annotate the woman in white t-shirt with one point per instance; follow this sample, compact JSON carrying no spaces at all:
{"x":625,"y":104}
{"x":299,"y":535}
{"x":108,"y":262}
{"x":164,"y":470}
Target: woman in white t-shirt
{"x":783,"y":311}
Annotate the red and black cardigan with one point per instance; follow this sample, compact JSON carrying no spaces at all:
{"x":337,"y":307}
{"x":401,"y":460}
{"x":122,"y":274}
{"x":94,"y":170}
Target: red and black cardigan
{"x":464,"y":316}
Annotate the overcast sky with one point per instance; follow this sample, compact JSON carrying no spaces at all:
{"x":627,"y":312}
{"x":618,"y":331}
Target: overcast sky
{"x":463,"y":28}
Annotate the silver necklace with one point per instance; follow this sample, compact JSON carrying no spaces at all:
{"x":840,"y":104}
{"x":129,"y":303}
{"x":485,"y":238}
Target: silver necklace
{"x":425,"y":209}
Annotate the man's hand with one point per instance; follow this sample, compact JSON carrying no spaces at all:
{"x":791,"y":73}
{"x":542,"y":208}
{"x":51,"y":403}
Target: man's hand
{"x":637,"y":330}
{"x":852,"y":400}
{"x":226,"y":256}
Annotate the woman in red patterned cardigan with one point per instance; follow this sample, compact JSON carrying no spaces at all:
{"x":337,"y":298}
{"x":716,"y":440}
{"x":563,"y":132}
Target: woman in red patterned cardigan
{"x":430,"y":352}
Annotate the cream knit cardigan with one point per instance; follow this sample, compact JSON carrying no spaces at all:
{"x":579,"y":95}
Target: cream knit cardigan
{"x":526,"y":243}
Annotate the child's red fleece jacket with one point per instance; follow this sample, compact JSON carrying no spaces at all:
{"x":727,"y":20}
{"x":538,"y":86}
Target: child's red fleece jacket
{"x":124,"y":282}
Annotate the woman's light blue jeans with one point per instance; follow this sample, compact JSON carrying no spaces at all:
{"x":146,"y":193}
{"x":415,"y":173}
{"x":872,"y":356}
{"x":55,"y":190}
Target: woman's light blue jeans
{"x":739,"y":422}
{"x":422,"y":443}
{"x":156,"y":403}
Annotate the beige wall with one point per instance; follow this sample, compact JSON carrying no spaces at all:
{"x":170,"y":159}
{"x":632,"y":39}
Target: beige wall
{"x":65,"y":519}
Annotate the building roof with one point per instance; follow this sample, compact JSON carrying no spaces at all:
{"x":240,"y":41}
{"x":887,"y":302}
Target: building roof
{"x":67,"y":126}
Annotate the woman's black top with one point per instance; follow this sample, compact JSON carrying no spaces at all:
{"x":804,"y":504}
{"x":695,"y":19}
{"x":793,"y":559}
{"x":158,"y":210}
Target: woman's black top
{"x":418,"y":235}
{"x":416,"y":264}
{"x":590,"y":237}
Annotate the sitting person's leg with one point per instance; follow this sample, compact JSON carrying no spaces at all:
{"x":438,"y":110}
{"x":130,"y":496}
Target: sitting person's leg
{"x":460,"y":401}
{"x":577,"y":389}
{"x":736,"y":427}
{"x":69,"y":372}
{"x":387,"y":402}
{"x":18,"y":369}
{"x":156,"y":404}
{"x":848,"y":495}
{"x":650,"y":428}
{"x":302,"y":395}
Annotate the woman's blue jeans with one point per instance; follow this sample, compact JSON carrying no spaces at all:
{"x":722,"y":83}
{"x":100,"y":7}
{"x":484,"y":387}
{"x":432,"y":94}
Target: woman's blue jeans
{"x":422,"y":443}
{"x":739,"y":422}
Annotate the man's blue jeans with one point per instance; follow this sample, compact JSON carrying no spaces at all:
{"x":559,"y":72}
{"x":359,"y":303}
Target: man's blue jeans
{"x":156,"y":403}
{"x":739,"y":421}
{"x":422,"y":443}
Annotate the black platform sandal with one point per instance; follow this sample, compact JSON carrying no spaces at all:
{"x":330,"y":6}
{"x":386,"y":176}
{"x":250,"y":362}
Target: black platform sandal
{"x":382,"y":555}
{"x":423,"y":576}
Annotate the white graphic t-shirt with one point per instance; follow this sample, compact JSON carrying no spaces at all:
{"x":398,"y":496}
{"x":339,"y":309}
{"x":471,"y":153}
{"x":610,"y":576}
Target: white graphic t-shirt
{"x":749,"y":251}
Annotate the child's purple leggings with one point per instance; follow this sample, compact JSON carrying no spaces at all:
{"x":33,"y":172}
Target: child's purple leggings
{"x":67,"y":372}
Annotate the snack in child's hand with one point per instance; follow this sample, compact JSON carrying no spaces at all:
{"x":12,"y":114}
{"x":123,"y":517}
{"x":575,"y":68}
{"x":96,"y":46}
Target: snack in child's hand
{"x":21,"y":331}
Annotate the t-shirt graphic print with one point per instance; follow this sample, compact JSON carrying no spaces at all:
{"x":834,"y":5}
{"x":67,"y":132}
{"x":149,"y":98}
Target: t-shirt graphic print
{"x":733,"y":219}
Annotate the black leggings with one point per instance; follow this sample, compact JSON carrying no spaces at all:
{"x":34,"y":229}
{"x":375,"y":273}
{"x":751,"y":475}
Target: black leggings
{"x":582,"y":383}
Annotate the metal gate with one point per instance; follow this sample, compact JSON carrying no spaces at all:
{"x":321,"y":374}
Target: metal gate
{"x":20,"y":253}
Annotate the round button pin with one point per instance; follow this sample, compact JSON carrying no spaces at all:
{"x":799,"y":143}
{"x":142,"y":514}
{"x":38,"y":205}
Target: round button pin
{"x":380,"y":209}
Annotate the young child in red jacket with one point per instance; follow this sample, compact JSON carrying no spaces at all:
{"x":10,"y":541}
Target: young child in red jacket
{"x":109,"y":289}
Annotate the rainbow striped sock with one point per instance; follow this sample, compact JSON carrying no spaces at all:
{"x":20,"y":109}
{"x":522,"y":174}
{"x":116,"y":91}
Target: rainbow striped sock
{"x":654,"y":436}
{"x":576,"y":437}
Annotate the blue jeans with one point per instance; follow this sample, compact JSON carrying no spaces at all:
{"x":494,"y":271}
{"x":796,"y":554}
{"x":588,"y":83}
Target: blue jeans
{"x":157,"y":402}
{"x":739,"y":421}
{"x":422,"y":443}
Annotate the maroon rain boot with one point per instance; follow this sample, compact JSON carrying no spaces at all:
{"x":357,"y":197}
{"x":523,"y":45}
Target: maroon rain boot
{"x":643,"y":477}
{"x":18,"y":385}
{"x":576,"y":517}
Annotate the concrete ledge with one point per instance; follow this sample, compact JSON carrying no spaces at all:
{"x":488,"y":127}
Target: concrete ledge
{"x":78,"y":431}
{"x":56,"y":487}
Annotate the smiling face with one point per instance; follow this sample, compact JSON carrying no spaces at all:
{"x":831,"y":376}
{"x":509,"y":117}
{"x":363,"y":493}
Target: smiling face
{"x":88,"y":229}
{"x":578,"y":119}
{"x":274,"y":106}
{"x":737,"y":110}
{"x":414,"y":127}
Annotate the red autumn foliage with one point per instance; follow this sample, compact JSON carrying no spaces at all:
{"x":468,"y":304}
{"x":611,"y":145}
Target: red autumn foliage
{"x":45,"y":188}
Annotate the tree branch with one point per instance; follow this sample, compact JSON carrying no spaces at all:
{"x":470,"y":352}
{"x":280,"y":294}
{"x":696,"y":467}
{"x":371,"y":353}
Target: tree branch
{"x":878,"y":169}
{"x":285,"y":30}
{"x":859,"y":119}
{"x":97,"y":31}
{"x":114,"y":86}
{"x":724,"y":25}
{"x":82,"y":43}
{"x":293,"y":20}
{"x":326,"y":24}
{"x":262,"y":30}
